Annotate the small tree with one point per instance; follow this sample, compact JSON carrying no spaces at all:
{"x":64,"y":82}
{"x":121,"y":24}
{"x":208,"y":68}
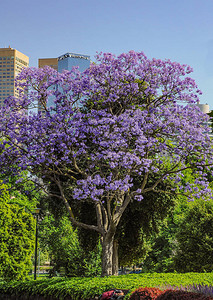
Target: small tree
{"x":107,"y":133}
{"x":61,"y":242}
{"x":17,"y":236}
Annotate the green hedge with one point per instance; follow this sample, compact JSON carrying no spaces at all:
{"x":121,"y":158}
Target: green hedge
{"x":86,"y":288}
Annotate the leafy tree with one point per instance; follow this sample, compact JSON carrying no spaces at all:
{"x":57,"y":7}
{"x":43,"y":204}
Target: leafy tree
{"x":194,"y":238}
{"x":61,"y":241}
{"x":17,"y":236}
{"x":110,"y":129}
{"x":184,"y":243}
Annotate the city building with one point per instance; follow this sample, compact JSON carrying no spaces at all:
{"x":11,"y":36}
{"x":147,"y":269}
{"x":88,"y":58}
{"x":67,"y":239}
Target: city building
{"x":51,"y":62}
{"x":11,"y":63}
{"x":206,"y":110}
{"x":64,"y":62}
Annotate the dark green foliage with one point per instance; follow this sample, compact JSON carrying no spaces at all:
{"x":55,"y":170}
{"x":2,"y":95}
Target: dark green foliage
{"x":163,"y":245}
{"x":195,"y":238}
{"x":17,"y":236}
{"x":139,"y":222}
{"x":53,"y":204}
{"x":185,"y":240}
{"x":88,"y":239}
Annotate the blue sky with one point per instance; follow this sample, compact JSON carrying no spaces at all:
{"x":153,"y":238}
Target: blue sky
{"x":178,"y":30}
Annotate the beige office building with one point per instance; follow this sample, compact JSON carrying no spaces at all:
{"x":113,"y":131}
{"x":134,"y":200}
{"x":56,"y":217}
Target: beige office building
{"x":51,"y":62}
{"x":11,"y":63}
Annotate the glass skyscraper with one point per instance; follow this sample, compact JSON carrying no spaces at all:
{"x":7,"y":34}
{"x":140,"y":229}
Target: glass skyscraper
{"x":69,"y":60}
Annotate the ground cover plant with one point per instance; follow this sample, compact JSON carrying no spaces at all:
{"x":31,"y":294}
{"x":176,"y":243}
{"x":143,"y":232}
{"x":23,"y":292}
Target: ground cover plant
{"x":107,"y":136}
{"x":84,"y":288}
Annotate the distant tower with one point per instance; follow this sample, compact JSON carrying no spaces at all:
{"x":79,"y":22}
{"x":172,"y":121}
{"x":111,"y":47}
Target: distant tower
{"x":69,"y":60}
{"x":65,"y":62}
{"x":11,"y":63}
{"x":204,"y":108}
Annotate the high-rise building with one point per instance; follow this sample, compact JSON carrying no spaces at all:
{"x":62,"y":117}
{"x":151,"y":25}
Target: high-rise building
{"x":69,"y":60}
{"x":64,"y":62}
{"x":11,"y":63}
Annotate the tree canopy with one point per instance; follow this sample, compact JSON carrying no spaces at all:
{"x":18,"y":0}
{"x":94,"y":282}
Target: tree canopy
{"x":105,"y":133}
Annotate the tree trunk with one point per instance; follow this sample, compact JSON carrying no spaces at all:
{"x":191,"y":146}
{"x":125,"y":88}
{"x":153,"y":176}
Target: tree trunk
{"x":115,"y":258}
{"x":107,"y":253}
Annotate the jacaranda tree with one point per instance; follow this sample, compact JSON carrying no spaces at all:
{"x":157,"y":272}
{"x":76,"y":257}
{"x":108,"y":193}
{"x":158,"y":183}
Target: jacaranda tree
{"x":103,"y":134}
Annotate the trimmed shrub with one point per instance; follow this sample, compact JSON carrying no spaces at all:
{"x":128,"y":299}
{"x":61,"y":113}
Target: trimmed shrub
{"x":147,"y":293}
{"x":84,"y":288}
{"x":182,"y":295}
